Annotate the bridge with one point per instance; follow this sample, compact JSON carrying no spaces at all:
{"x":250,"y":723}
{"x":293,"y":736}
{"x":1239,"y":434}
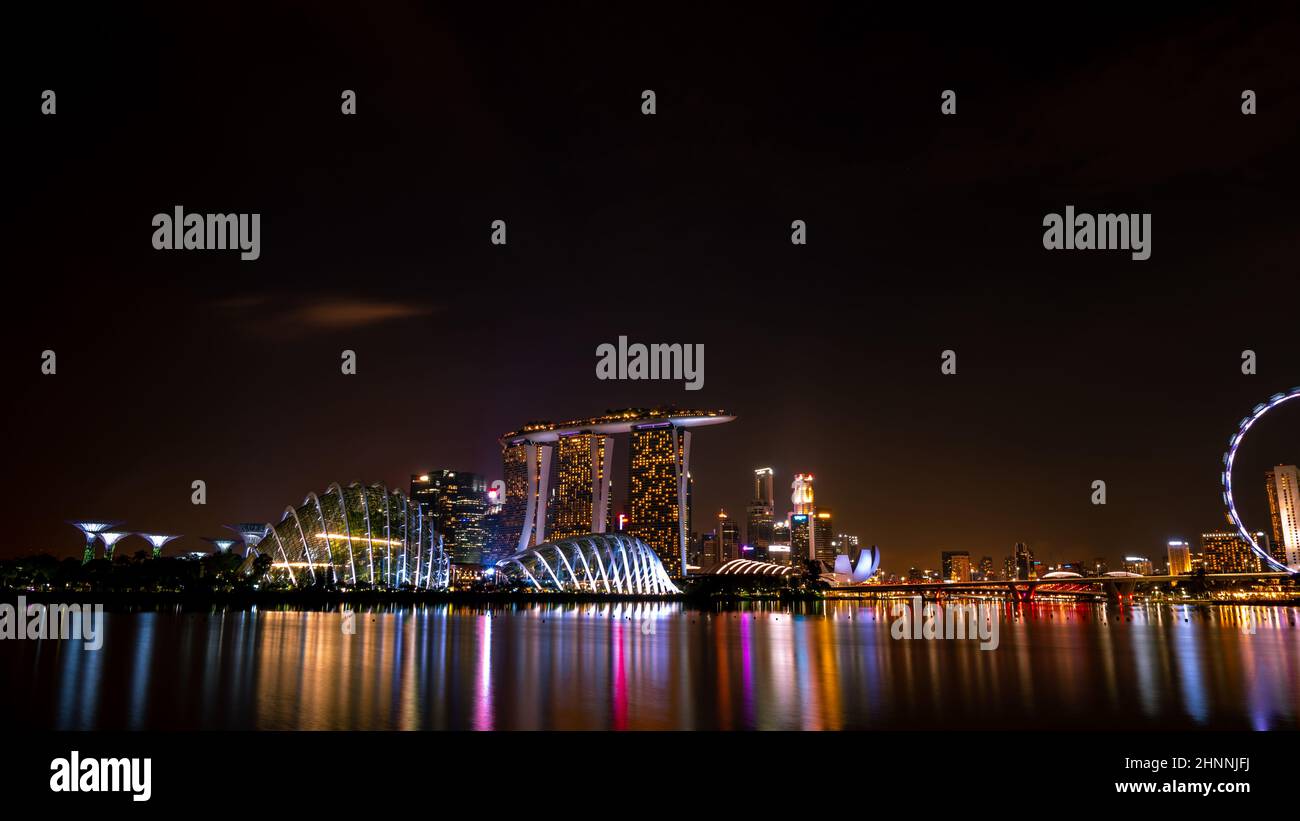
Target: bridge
{"x":1116,"y":588}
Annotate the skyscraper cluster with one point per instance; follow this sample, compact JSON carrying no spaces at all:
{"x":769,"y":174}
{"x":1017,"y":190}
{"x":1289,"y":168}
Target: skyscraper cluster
{"x":558,"y":482}
{"x":456,"y":502}
{"x":804,"y":532}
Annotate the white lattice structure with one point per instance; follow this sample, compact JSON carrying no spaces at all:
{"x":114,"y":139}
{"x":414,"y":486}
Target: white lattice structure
{"x":614,"y":563}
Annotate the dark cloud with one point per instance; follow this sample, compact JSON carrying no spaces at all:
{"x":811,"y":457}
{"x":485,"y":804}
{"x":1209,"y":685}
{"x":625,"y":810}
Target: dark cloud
{"x":281,"y":315}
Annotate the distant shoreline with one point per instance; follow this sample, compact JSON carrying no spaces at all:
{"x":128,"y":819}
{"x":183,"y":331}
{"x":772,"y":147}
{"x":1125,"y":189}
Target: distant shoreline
{"x":328,"y":600}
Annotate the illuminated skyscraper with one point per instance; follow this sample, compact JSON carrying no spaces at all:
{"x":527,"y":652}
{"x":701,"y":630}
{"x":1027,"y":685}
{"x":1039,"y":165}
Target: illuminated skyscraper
{"x":582,"y":499}
{"x":728,"y":538}
{"x":801,"y":535}
{"x":469,"y":509}
{"x":690,"y":503}
{"x":1227,"y":552}
{"x":455,"y":503}
{"x":812,"y":529}
{"x":709,"y":551}
{"x":956,"y":565}
{"x":1180,"y":557}
{"x":986,"y":568}
{"x":497,"y":543}
{"x":657,"y":485}
{"x":1283,"y":483}
{"x":763,"y":491}
{"x":428,"y":489}
{"x":758,"y":526}
{"x":802,"y":493}
{"x":1024,"y":562}
{"x":779,"y":551}
{"x":527,"y":470}
{"x":823,"y":532}
{"x":1140,"y":565}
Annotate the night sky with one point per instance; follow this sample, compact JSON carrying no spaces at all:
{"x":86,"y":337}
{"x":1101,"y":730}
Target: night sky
{"x":924,"y":234}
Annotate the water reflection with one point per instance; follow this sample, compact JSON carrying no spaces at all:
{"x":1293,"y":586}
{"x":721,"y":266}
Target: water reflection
{"x":662,"y":666}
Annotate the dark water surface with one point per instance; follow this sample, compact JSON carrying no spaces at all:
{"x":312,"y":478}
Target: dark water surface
{"x":662,"y":666}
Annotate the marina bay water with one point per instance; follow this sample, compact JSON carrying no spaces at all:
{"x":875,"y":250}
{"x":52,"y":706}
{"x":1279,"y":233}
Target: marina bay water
{"x":663,"y":666}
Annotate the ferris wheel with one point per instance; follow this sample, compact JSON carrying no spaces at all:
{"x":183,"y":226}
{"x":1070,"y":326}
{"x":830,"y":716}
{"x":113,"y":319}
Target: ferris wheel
{"x":1228,"y":458}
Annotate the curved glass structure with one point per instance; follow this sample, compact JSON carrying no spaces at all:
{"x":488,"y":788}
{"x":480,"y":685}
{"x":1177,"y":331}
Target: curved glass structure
{"x":366,"y":536}
{"x":595,"y":563}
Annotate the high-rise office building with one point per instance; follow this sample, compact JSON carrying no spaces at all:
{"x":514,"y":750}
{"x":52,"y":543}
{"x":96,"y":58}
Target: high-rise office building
{"x":759,"y":519}
{"x":1283,"y":483}
{"x":1140,"y":565}
{"x":986,"y":568}
{"x":824,"y":535}
{"x":1024,"y":557}
{"x":780,"y":551}
{"x":582,"y":485}
{"x":497,"y":544}
{"x":1180,"y":557}
{"x":763,"y":489}
{"x":728,"y":537}
{"x":801,"y":535}
{"x":708,"y":551}
{"x":469,"y":509}
{"x":956,"y":565}
{"x":812,"y":529}
{"x":1227,"y":552}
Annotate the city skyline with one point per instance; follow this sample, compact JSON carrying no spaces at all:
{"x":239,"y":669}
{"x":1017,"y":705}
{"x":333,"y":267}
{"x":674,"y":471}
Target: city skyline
{"x":594,"y":461}
{"x":924,"y":234}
